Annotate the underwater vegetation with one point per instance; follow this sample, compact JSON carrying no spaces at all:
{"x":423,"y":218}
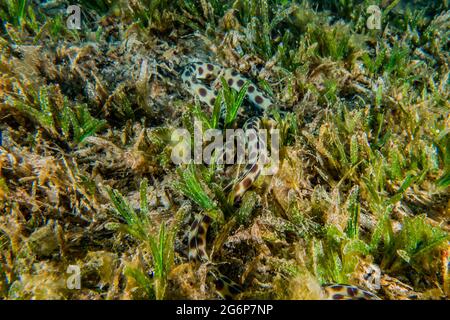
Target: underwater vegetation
{"x":361,"y":196}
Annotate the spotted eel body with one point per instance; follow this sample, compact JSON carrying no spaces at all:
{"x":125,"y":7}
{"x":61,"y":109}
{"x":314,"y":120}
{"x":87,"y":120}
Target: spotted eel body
{"x":195,"y":77}
{"x":347,"y":292}
{"x":224,"y":286}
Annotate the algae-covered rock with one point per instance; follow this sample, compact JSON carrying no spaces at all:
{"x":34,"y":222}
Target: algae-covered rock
{"x":46,"y":281}
{"x":45,"y":240}
{"x":98,"y":269}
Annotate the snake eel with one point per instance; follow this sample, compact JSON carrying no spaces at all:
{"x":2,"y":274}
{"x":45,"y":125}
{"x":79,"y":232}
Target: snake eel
{"x":201,"y":80}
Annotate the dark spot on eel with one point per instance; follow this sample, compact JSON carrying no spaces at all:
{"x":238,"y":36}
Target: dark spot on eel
{"x":219,"y":284}
{"x":206,"y":219}
{"x":259,"y":99}
{"x":351,"y":291}
{"x":246,"y":183}
{"x":194,"y":224}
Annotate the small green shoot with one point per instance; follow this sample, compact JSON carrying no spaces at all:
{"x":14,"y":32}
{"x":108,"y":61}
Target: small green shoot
{"x":212,"y":123}
{"x":58,"y":120}
{"x":161,"y":245}
{"x":191,"y":187}
{"x":233,"y":101}
{"x":83,"y":124}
